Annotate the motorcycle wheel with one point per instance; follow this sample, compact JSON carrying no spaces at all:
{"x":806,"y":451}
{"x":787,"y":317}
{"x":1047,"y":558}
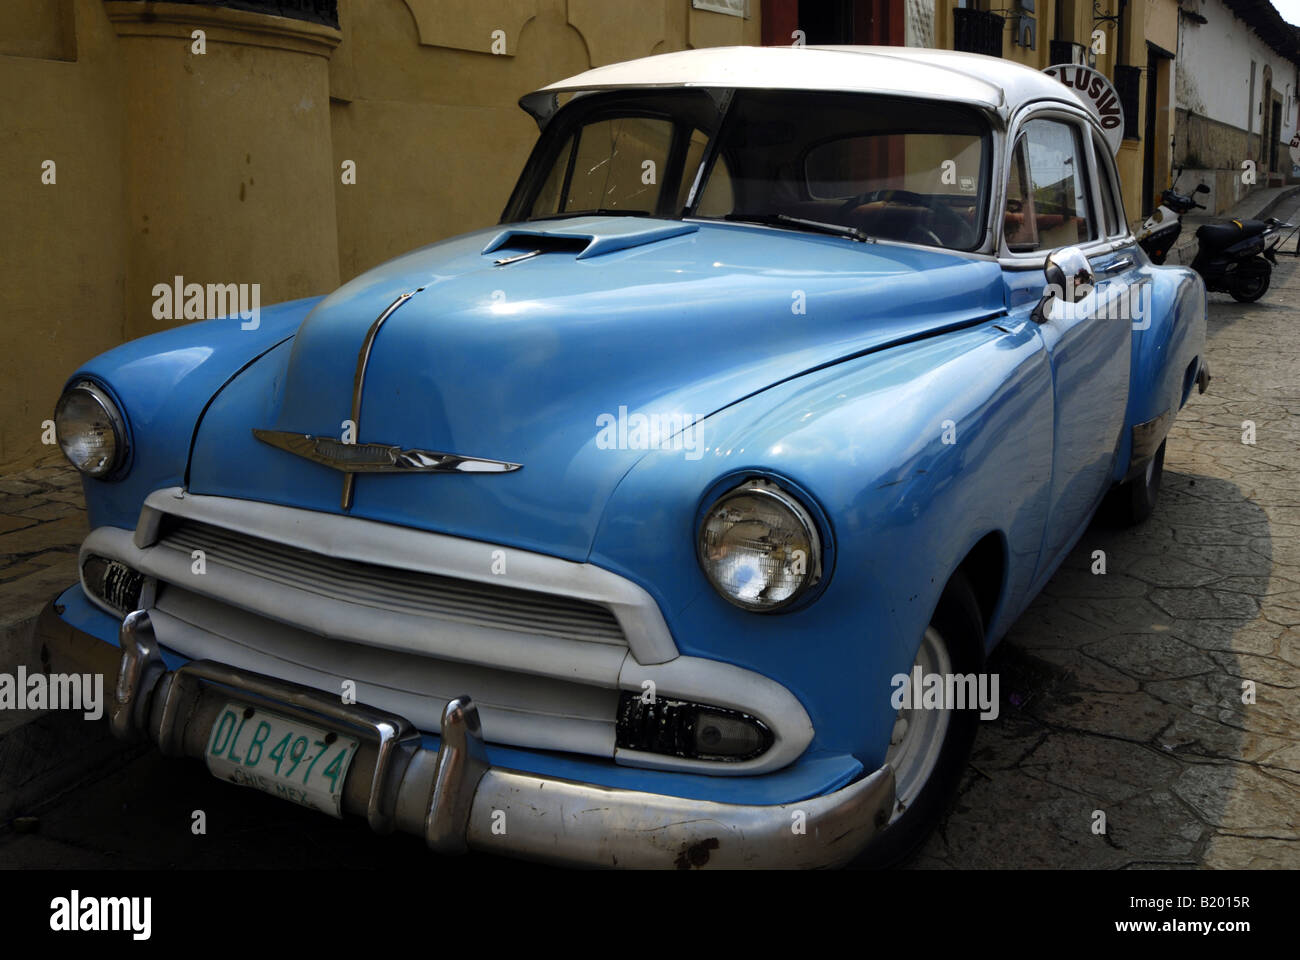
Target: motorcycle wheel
{"x":1251,"y":280}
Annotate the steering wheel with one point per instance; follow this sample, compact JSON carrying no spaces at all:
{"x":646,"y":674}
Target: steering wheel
{"x":927,"y":237}
{"x":940,"y":215}
{"x":960,"y":233}
{"x":906,"y":197}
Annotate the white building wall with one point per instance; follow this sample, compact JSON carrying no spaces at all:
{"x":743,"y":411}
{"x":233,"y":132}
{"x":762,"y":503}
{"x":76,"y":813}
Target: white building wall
{"x":1213,"y":75}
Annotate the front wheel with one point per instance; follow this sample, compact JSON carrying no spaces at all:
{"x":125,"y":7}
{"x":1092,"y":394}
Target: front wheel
{"x":929,"y":747}
{"x":1250,"y":281}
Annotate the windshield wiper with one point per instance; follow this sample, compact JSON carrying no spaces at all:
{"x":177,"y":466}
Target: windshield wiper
{"x":598,"y":212}
{"x":835,"y":229}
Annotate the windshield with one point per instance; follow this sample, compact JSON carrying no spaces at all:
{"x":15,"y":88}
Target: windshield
{"x":886,"y":168}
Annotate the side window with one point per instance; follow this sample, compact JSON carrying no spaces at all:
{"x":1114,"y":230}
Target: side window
{"x":1047,"y":192}
{"x":1116,"y":223}
{"x":1019,"y":225}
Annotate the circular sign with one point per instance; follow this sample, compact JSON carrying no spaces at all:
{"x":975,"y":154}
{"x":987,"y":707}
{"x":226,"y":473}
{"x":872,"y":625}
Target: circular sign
{"x":1097,"y":94}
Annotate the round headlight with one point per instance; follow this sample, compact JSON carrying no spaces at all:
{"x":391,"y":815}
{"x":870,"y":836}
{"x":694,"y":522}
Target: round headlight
{"x":90,"y":430}
{"x":759,"y":547}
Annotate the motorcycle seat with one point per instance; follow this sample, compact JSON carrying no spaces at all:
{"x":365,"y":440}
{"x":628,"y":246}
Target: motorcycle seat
{"x":1216,"y":236}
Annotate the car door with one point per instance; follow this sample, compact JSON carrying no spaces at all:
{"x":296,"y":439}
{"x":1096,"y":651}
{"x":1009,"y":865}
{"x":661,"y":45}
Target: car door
{"x":1053,"y":203}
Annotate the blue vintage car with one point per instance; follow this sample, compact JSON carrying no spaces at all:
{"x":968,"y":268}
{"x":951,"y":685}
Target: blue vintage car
{"x":632,"y":530}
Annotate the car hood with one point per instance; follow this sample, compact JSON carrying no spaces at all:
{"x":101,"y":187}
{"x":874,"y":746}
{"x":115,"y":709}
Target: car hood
{"x":549,"y":361}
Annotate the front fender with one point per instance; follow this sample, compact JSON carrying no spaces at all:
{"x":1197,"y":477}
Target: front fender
{"x":1167,"y":351}
{"x":163,"y":383}
{"x":866,"y":440}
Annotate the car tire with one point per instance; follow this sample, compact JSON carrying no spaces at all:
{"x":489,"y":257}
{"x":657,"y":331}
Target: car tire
{"x":959,"y":626}
{"x":1250,"y":284}
{"x":1134,"y":500}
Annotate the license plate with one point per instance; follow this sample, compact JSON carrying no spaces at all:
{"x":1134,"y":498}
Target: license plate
{"x":286,"y":758}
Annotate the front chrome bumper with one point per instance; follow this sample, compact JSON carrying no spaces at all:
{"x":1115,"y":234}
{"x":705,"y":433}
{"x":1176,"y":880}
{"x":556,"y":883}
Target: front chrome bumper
{"x":452,"y":796}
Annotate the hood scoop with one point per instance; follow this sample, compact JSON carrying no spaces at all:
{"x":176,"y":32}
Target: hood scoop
{"x":584,"y":237}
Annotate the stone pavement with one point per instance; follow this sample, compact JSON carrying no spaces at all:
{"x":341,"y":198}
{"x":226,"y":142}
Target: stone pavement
{"x":1122,"y":693}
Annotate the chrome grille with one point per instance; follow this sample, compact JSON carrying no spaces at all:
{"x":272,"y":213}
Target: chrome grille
{"x":391,"y":588}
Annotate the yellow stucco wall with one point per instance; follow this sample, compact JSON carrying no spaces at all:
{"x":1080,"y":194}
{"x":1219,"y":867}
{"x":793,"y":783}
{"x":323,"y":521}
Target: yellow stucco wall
{"x":228,"y":160}
{"x":62,"y":255}
{"x":430,"y":116}
{"x":226,"y":167}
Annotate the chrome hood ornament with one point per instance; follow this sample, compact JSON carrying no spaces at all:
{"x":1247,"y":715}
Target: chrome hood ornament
{"x":354,"y":458}
{"x":377,"y":457}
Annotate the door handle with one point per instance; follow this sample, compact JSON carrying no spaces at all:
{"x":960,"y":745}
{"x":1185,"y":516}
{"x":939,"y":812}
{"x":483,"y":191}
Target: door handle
{"x":1118,"y":266}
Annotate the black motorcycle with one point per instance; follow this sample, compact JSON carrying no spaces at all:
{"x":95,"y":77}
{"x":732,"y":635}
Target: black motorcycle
{"x":1232,"y":256}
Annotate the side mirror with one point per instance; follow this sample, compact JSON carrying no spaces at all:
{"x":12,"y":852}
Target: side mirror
{"x":1202,"y":189}
{"x":1069,"y":278}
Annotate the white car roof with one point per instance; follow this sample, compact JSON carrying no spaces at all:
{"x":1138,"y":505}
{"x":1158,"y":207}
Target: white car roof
{"x":989,"y":82}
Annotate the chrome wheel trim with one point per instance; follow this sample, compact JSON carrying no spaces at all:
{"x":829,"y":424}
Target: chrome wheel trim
{"x":918,"y":735}
{"x":1151,"y":470}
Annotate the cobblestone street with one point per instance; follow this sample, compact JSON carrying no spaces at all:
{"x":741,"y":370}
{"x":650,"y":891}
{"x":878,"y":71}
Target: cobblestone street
{"x":1122,"y":693}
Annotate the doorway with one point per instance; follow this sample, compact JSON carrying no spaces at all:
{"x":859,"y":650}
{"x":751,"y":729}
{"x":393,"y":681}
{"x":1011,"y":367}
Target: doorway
{"x":1155,"y":126}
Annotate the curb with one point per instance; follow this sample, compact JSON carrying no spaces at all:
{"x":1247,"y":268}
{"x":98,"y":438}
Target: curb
{"x":1287,"y":193}
{"x":18,"y":625}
